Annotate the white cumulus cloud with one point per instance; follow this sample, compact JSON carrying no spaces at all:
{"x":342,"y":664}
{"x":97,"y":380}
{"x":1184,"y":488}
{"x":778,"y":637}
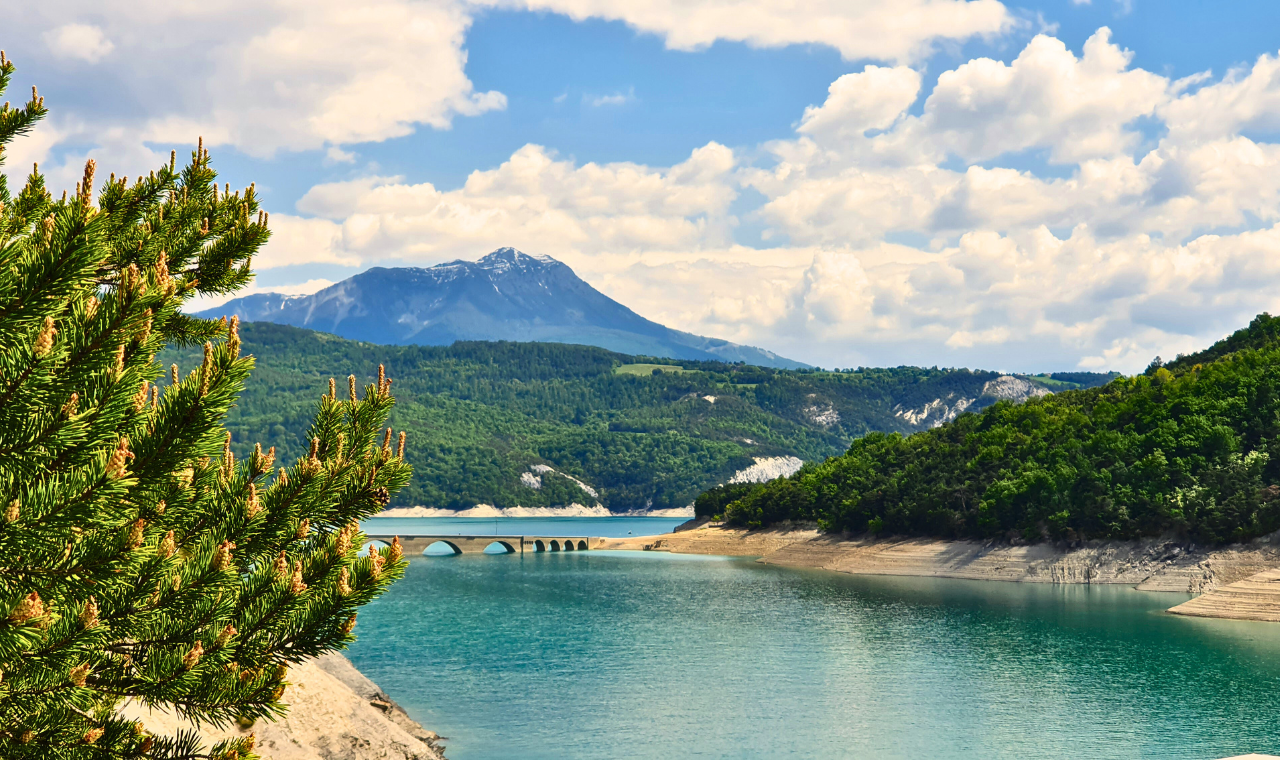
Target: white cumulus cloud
{"x":81,"y":41}
{"x":903,"y":30}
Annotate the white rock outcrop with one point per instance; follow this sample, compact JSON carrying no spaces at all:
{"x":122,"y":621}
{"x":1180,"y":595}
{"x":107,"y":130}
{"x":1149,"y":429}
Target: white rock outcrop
{"x":768,"y":468}
{"x":1010,"y":388}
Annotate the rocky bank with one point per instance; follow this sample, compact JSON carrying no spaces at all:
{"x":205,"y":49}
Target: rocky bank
{"x":335,"y":713}
{"x":1239,"y":581}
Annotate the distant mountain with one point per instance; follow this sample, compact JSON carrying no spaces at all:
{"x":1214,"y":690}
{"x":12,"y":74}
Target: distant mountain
{"x":507,"y":295}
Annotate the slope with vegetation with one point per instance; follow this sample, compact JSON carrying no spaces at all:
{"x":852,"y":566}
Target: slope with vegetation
{"x":1190,"y":448}
{"x":481,"y":415}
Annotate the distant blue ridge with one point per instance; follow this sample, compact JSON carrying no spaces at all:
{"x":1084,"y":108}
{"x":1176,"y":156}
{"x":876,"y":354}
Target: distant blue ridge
{"x":507,"y":295}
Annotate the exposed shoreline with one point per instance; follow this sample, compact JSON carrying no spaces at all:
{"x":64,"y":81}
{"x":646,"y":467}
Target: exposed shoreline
{"x":1238,"y":581}
{"x":335,"y":713}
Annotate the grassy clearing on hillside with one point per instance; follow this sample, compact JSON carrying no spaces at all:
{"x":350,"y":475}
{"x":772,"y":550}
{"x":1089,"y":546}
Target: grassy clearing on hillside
{"x":646,"y":369}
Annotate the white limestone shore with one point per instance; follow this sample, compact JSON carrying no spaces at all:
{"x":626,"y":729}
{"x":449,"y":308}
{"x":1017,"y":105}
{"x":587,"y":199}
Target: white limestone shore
{"x":1239,"y":581}
{"x":335,"y":713}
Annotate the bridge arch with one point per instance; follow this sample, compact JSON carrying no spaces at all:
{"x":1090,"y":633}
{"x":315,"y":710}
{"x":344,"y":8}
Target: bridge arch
{"x":539,"y":546}
{"x":441,"y":548}
{"x":555,"y":545}
{"x":371,"y":544}
{"x":582,"y":546}
{"x":568,"y":544}
{"x":500,"y":547}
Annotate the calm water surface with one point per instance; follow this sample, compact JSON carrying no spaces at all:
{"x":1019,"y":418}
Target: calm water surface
{"x":643,"y":655}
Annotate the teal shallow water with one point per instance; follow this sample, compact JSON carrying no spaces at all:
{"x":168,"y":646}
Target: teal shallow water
{"x":642,"y":655}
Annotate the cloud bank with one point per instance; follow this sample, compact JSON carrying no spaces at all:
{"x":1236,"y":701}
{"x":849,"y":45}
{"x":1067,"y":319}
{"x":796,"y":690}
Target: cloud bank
{"x":1063,"y":209}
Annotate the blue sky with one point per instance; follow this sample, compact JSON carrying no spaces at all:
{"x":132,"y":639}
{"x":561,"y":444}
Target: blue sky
{"x":837,"y":196}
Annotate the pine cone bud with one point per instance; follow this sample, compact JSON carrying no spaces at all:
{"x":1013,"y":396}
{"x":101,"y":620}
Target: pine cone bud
{"x":296,"y":586}
{"x":11,"y":514}
{"x":348,"y":625}
{"x":140,"y":398}
{"x":160,"y":507}
{"x":304,"y":528}
{"x":222,"y":557}
{"x":382,"y":378}
{"x":382,"y":497}
{"x":344,"y":582}
{"x":342,"y":544}
{"x":145,"y":331}
{"x":252,"y":505}
{"x":119,"y":368}
{"x":89,"y":615}
{"x":386,"y":444}
{"x":375,"y":565}
{"x":79,"y":674}
{"x":136,"y":538}
{"x":72,"y":406}
{"x":192,"y":658}
{"x":395,"y":552}
{"x":92,"y":735}
{"x":226,"y":635}
{"x":351,"y":387}
{"x":167,"y":546}
{"x":163,"y":280}
{"x":30,"y":608}
{"x":233,"y":341}
{"x":44,"y":341}
{"x":175,"y":582}
{"x":400,"y":447}
{"x":174,"y":378}
{"x":281,"y":566}
{"x":333,"y":390}
{"x":26,"y":737}
{"x":117,"y":464}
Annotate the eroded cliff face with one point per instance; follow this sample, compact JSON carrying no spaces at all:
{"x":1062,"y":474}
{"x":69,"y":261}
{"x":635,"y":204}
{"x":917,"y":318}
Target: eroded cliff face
{"x":335,"y":713}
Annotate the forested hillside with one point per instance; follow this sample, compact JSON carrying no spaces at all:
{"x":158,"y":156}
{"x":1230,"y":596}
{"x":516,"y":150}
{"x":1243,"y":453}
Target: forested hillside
{"x":1191,"y":448}
{"x":481,"y":415}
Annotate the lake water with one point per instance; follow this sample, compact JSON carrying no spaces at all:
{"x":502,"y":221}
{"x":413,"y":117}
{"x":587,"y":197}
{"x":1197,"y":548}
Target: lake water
{"x":651,"y":655}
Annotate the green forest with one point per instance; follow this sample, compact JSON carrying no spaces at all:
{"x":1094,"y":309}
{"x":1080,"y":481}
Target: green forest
{"x":479,"y":415}
{"x":1191,"y":448}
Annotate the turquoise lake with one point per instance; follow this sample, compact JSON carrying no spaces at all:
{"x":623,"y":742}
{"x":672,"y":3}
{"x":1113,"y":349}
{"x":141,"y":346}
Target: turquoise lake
{"x":651,"y":655}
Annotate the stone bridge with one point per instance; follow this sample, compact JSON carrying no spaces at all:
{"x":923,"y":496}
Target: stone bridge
{"x":416,"y":545}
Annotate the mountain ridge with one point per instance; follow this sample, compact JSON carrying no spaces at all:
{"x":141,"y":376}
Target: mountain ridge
{"x":506,"y":295}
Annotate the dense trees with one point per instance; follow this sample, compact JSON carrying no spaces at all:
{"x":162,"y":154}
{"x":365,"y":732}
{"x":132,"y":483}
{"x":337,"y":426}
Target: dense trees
{"x":139,"y":558}
{"x":480,"y":414}
{"x":1191,"y":448}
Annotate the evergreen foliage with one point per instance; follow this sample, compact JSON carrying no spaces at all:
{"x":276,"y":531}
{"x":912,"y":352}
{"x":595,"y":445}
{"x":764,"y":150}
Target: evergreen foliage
{"x":1193,"y":450}
{"x":139,"y":558}
{"x":481,"y":414}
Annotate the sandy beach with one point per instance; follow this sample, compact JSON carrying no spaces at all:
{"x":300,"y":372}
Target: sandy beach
{"x":1239,"y":581}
